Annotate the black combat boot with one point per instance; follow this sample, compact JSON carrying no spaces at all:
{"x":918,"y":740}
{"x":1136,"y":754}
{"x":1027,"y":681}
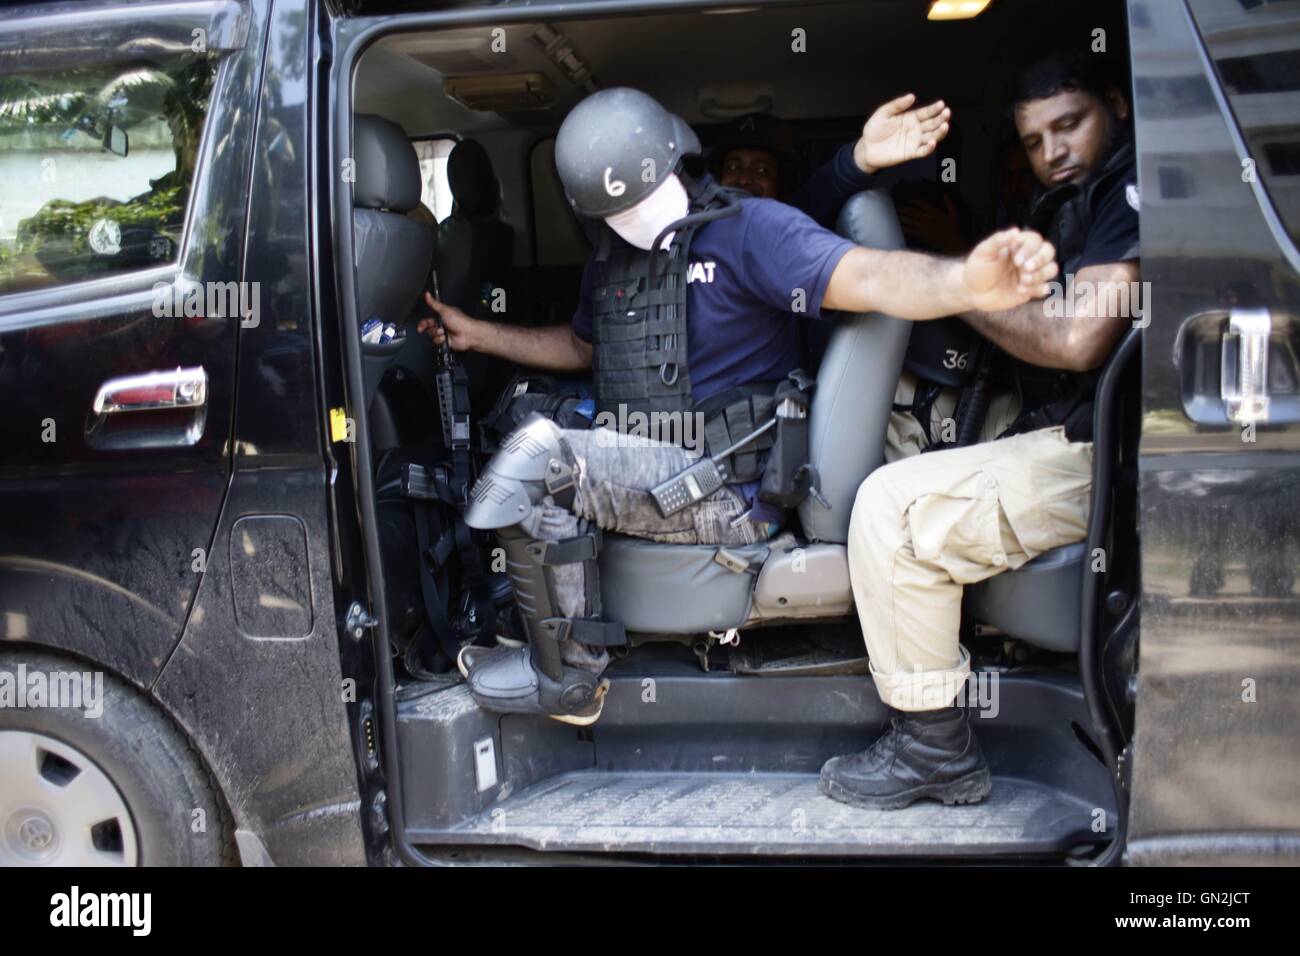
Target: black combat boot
{"x":508,"y":680}
{"x":923,"y":754}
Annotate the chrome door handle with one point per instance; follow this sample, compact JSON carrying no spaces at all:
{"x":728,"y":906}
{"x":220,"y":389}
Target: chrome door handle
{"x":181,"y":388}
{"x":1243,"y":384}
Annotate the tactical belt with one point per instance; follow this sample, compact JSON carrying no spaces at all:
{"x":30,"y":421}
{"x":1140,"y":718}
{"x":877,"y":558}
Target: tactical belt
{"x":732,"y":414}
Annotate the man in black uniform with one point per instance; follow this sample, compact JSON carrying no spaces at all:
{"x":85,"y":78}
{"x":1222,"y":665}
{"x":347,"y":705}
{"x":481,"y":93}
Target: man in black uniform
{"x":927,"y":525}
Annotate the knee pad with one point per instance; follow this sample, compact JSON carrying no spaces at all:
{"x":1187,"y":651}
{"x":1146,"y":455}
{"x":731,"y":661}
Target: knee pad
{"x":534,"y":463}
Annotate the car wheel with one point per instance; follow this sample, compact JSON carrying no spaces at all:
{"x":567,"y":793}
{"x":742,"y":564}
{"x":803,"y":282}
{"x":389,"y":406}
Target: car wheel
{"x":114,"y":783}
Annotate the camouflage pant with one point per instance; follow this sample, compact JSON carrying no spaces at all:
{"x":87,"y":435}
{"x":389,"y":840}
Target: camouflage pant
{"x":615,"y":475}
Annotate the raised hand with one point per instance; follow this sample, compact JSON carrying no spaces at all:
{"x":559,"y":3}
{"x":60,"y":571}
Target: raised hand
{"x":1008,"y":269}
{"x":896,"y":133}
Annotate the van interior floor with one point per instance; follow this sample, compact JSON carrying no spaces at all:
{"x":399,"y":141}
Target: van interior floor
{"x":720,"y":764}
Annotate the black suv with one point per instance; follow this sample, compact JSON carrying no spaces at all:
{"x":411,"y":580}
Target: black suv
{"x":217,"y":221}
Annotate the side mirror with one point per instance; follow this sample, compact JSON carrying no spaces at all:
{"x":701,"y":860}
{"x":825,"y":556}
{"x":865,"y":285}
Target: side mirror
{"x":116,"y":141}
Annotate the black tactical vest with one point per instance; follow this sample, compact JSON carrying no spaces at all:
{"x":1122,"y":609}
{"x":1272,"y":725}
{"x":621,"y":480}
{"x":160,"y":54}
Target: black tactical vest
{"x":639,"y":327}
{"x":1065,"y":216}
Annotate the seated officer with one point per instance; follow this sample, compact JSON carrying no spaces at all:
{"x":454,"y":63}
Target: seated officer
{"x":756,"y":155}
{"x":925,"y":526}
{"x":703,"y":329}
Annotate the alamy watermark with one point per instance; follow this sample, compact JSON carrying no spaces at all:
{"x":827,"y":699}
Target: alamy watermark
{"x":128,"y":910}
{"x":72,"y":690}
{"x":979,"y":692}
{"x":615,"y":429}
{"x":186,"y":298}
{"x":1120,"y":300}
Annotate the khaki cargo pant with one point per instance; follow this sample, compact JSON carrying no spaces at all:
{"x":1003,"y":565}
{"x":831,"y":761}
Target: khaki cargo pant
{"x":925,"y":526}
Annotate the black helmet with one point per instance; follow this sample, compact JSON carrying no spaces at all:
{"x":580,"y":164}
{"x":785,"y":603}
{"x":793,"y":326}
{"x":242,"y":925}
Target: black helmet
{"x":615,"y":147}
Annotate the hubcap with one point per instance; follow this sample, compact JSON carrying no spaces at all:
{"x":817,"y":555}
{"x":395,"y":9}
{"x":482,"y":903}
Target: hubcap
{"x":58,"y":808}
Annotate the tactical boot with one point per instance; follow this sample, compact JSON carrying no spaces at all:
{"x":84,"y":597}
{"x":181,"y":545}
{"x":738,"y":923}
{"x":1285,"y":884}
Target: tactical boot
{"x":505,"y":680}
{"x":930,"y":754}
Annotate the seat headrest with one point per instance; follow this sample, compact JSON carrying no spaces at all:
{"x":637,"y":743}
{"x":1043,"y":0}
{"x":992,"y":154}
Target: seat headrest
{"x":869,"y":219}
{"x":472,"y":181}
{"x":387,"y":171}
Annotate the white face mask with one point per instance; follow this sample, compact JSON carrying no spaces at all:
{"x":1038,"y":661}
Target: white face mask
{"x":640,"y":224}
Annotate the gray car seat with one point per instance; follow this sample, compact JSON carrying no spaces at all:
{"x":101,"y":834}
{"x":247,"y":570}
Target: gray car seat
{"x":474,"y":245}
{"x":784,"y":579}
{"x":1038,"y":602}
{"x":472,"y":255}
{"x":393,"y":252}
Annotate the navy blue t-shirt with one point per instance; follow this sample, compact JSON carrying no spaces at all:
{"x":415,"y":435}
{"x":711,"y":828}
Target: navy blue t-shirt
{"x":748,"y":276}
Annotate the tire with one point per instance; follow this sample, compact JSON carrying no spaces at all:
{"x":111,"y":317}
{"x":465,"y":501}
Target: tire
{"x":119,"y":789}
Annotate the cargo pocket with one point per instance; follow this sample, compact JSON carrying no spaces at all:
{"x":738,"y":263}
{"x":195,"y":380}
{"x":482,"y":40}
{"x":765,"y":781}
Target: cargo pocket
{"x":961,"y":530}
{"x":1063,"y":484}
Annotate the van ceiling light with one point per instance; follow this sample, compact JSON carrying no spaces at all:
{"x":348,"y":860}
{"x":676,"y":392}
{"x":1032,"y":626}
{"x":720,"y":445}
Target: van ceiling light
{"x":956,"y":9}
{"x":501,"y":93}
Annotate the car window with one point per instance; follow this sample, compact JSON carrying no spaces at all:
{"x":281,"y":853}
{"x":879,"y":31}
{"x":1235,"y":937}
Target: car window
{"x":96,"y":167}
{"x":1255,"y":46}
{"x":435,"y":193}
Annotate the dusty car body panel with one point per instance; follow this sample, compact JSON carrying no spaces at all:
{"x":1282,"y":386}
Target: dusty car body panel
{"x":1215,"y":768}
{"x":159,"y":563}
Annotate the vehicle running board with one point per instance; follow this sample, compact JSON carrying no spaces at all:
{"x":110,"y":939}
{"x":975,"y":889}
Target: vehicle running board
{"x":742,"y":814}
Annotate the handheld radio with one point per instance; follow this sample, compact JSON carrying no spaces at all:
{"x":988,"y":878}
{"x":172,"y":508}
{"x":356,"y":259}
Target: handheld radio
{"x":700,"y":480}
